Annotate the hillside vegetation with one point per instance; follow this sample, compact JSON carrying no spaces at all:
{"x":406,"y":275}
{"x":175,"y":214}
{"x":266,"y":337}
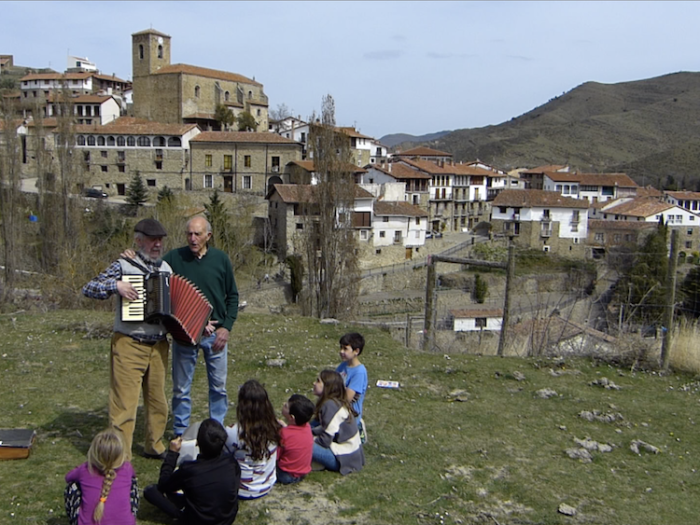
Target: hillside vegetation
{"x":466,"y":439}
{"x":647,"y":128}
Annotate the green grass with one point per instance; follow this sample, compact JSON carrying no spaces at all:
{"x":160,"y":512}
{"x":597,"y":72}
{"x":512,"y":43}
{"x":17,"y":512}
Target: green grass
{"x":496,"y":456}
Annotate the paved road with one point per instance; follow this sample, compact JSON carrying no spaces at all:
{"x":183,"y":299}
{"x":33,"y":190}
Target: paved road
{"x":29,"y":186}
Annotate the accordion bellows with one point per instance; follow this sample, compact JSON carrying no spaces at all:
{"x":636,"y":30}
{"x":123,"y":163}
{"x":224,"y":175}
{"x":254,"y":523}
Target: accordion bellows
{"x":172,"y":299}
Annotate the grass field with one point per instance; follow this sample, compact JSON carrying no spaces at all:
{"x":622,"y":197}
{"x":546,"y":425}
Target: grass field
{"x":466,"y":439}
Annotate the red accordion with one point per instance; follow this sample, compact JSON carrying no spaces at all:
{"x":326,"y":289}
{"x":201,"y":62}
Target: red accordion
{"x":172,"y":299}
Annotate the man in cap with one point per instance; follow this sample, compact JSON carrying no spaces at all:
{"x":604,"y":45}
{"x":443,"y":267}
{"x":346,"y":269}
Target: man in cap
{"x":139,"y":349}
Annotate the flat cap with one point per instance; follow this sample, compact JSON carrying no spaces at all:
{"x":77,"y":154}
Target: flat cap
{"x":150,"y":227}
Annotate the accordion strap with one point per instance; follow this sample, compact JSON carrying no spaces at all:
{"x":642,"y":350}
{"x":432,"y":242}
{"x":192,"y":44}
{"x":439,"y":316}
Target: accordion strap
{"x":138,"y":265}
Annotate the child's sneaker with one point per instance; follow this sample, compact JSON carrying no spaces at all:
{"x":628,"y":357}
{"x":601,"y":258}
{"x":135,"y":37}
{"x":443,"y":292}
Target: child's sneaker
{"x":363,"y":432}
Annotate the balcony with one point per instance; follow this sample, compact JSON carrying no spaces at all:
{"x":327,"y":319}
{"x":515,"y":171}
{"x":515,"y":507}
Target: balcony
{"x":546,"y":231}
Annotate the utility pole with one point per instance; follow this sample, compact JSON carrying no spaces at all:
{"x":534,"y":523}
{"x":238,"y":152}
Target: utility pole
{"x":670,"y":301}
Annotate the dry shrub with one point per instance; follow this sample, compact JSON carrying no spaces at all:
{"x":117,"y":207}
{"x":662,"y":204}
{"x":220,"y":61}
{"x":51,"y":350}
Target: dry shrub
{"x":685,"y":354}
{"x":633,"y":352}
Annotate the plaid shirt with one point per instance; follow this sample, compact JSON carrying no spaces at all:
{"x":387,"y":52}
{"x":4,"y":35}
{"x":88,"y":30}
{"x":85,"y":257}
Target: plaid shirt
{"x":105,"y":285}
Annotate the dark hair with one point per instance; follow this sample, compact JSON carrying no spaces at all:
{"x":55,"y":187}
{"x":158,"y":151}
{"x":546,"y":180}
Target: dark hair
{"x":333,"y":389}
{"x":355,"y":340}
{"x":258,"y":425}
{"x":211,"y":438}
{"x":301,"y":407}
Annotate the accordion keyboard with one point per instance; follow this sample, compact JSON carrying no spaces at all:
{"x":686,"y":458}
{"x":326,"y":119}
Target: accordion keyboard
{"x":134,"y":310}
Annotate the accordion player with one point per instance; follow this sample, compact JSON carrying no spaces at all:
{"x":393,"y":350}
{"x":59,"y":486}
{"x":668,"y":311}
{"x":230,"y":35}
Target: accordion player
{"x":171,"y":299}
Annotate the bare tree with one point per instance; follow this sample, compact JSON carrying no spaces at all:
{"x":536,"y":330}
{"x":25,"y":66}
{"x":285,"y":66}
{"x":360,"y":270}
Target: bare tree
{"x":65,"y":145}
{"x":281,"y":112}
{"x":330,"y":246}
{"x":9,"y":194}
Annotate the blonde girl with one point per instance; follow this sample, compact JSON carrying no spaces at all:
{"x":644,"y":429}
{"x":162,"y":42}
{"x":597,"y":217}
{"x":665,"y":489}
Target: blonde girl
{"x":337,"y":444}
{"x":101,"y":490}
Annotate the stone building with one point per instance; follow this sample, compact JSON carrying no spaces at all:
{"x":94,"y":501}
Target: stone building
{"x":111,"y":155}
{"x":181,"y":93}
{"x":238,"y":162}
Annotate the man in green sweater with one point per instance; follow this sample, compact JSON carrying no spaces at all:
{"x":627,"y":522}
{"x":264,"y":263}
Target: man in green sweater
{"x":210,"y":270}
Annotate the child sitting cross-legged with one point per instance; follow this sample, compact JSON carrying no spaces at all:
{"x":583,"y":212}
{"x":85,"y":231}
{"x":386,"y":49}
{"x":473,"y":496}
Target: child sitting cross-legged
{"x":297,"y":442}
{"x":209,"y":484}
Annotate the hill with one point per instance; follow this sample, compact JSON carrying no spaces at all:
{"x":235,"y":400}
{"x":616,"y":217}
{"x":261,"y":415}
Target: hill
{"x":396,"y":139}
{"x":647,"y":128}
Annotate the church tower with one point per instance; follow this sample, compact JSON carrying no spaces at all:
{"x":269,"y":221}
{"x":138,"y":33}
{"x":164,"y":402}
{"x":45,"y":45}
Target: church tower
{"x":150,"y":51}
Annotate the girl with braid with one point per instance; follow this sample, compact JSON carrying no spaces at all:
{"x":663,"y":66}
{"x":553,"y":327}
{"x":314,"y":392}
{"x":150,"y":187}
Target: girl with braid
{"x":103,"y":490}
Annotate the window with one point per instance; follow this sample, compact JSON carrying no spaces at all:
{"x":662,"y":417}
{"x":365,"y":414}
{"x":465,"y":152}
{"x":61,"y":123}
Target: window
{"x":574,"y":228}
{"x":502,"y":209}
{"x":228,"y":162}
{"x":576,"y":216}
{"x":227,"y":96}
{"x":247,"y":161}
{"x":382,"y":234}
{"x":363,"y":235}
{"x":96,"y":111}
{"x":121,"y":168}
{"x":275,"y":163}
{"x":144,"y":142}
{"x":103,"y":154}
{"x":121,"y":142}
{"x":385,"y":219}
{"x":247,"y":182}
{"x":160,"y":55}
{"x":81,"y":140}
{"x":617,"y":237}
{"x":208,"y":161}
{"x":417,"y":221}
{"x":151,"y":182}
{"x":159,"y":164}
{"x":196,"y":92}
{"x":88,"y":111}
{"x":140,"y":51}
{"x":104,"y":169}
{"x":79,"y":108}
{"x":101,"y":141}
{"x":86,"y":156}
{"x":250,"y":94}
{"x":208,"y":181}
{"x":131,"y":141}
{"x":690,"y":231}
{"x":91,"y":140}
{"x":688,"y":244}
{"x":300,"y":225}
{"x":174,"y":142}
{"x":480,"y":322}
{"x":600,"y":237}
{"x":258,"y":112}
{"x":679,"y":218}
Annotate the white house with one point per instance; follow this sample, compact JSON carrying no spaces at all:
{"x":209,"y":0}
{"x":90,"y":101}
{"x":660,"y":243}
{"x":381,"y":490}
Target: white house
{"x":88,"y":109}
{"x":690,"y":200}
{"x":595,"y":187}
{"x":649,"y":210}
{"x":398,"y":223}
{"x":477,"y":319}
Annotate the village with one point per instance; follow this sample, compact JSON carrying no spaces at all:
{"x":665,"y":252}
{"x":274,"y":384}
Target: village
{"x":172,"y":126}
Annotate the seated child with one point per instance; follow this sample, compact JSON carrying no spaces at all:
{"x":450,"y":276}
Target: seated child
{"x":337,"y":444}
{"x":354,"y":374}
{"x":254,"y":440}
{"x":102,"y":489}
{"x":209,"y":484}
{"x":297,"y":442}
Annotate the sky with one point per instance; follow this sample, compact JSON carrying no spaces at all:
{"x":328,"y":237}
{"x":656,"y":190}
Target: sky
{"x":391,"y":67}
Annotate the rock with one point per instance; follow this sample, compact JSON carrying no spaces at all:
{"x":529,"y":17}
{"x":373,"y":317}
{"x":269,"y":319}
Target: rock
{"x":596,"y":415}
{"x":638,"y":445}
{"x":518,"y":376}
{"x":458,"y":395}
{"x":593,"y":446}
{"x":276,"y":362}
{"x":566,"y":510}
{"x":605,"y":383}
{"x":329,"y":321}
{"x":545,"y":393}
{"x":579,"y":453}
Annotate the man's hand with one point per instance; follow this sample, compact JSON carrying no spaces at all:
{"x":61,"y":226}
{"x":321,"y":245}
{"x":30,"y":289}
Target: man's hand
{"x":221,"y":339}
{"x":128,"y":254}
{"x":176,"y":444}
{"x":211,"y":327}
{"x":127,"y":290}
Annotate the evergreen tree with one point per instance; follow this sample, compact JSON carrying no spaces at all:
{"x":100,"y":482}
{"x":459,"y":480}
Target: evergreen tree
{"x":224,"y":116}
{"x":690,"y":288}
{"x":165,"y":194}
{"x":481,"y":289}
{"x":218,"y":217}
{"x":136,"y":193}
{"x":246,"y":122}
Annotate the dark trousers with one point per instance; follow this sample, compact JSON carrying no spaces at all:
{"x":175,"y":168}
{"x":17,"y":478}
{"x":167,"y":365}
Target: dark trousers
{"x":172,"y":504}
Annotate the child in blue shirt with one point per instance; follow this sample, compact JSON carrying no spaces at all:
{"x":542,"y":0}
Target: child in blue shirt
{"x":354,"y":374}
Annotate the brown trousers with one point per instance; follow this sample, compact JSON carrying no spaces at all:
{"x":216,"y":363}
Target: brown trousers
{"x":134,"y":367}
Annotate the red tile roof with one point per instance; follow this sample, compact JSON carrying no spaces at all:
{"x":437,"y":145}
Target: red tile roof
{"x":309,"y":166}
{"x":70,"y":76}
{"x":400,"y":209}
{"x":545,"y":169}
{"x":247,"y":137}
{"x":422,"y":151}
{"x":644,"y":207}
{"x":429,"y":166}
{"x":150,"y":32}
{"x":620,"y":225}
{"x":186,"y":69}
{"x":537,"y":198}
{"x":133,"y":126}
{"x":684,"y":195}
{"x":80,"y":99}
{"x":470,"y":313}
{"x":402,"y":171}
{"x":294,"y":193}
